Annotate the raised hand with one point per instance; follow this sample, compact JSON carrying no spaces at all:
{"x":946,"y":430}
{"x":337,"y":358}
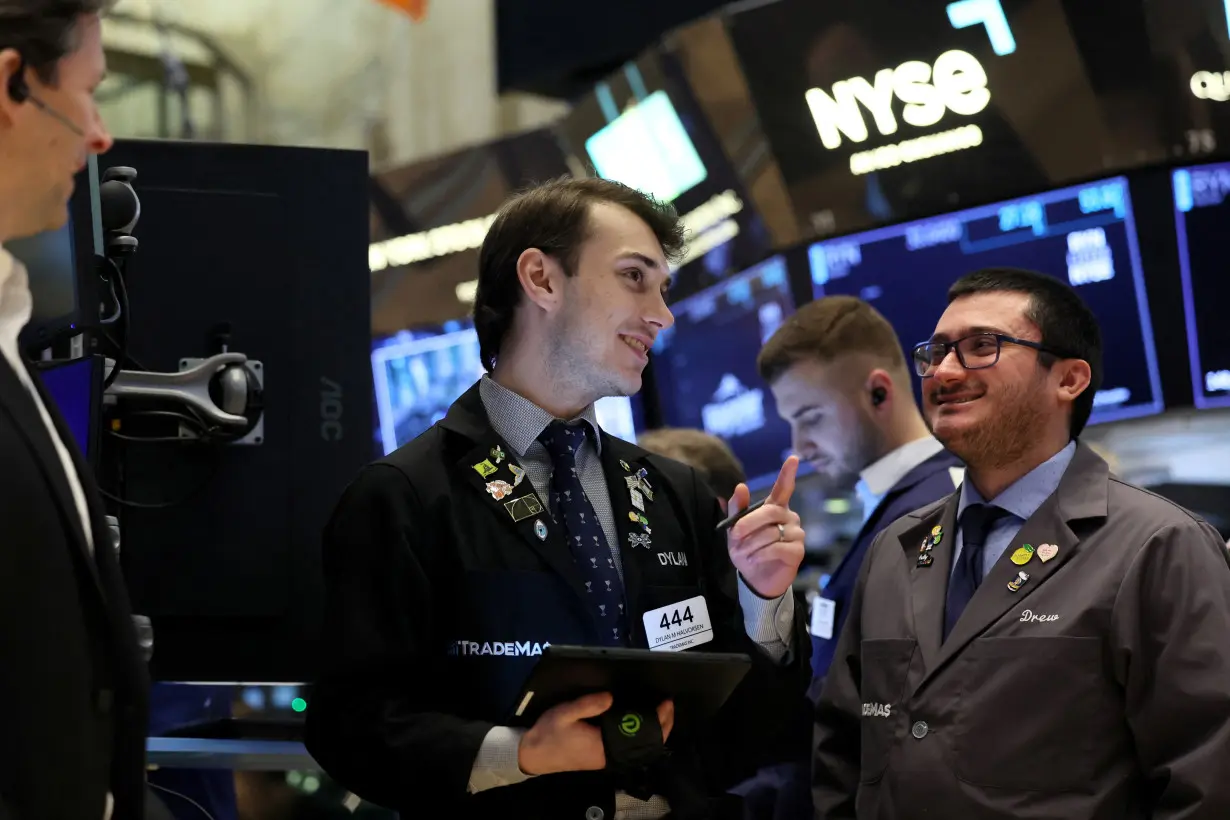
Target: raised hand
{"x":766,"y":546}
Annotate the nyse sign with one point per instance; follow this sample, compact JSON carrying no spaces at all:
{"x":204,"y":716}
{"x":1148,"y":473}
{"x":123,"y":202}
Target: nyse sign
{"x":956,"y":82}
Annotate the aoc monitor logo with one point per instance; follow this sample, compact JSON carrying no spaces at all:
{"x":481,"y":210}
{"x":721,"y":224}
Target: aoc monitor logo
{"x":955,"y":82}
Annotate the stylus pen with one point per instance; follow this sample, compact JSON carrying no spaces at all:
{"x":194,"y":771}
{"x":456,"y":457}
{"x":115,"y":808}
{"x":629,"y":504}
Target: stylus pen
{"x":737,"y":517}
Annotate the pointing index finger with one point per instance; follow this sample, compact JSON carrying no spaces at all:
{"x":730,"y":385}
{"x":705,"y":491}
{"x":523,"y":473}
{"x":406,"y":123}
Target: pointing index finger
{"x":783,"y":488}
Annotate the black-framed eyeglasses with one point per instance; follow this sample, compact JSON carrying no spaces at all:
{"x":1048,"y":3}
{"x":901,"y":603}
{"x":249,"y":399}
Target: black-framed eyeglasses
{"x":974,"y":352}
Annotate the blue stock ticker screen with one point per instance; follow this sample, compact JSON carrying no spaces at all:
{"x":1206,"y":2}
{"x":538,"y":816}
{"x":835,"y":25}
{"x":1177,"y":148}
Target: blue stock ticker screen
{"x":705,"y":366}
{"x":1084,"y":235}
{"x":1202,"y":221}
{"x":418,"y":374}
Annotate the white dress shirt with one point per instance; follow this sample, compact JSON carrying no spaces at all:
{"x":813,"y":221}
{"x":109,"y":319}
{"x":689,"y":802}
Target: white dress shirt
{"x":16,"y":305}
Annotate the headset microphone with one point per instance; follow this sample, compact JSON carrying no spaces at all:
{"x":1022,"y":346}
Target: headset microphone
{"x":65,"y":121}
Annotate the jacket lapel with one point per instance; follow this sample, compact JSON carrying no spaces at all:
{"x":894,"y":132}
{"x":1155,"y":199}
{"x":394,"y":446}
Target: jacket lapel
{"x":940,"y":461}
{"x":929,"y":581}
{"x":20,"y":406}
{"x":633,"y":525}
{"x":490,"y":468}
{"x":493,"y":472}
{"x":1081,"y":495}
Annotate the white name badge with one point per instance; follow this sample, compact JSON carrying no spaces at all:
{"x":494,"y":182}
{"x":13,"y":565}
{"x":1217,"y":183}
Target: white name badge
{"x":823,"y":614}
{"x":679,"y":626}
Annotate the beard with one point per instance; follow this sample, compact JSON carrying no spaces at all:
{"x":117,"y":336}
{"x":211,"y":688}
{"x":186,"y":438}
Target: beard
{"x":575,"y":361}
{"x":1004,"y":439}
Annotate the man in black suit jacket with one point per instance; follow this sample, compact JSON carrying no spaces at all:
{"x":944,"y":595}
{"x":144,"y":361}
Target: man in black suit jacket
{"x":72,"y":681}
{"x":516,"y":522}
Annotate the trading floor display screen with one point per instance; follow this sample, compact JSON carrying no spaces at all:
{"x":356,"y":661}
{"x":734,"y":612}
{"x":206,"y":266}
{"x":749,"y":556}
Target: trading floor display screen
{"x":1202,"y":220}
{"x":1083,"y":235}
{"x":418,"y":374}
{"x":643,"y":126}
{"x":705,"y":365}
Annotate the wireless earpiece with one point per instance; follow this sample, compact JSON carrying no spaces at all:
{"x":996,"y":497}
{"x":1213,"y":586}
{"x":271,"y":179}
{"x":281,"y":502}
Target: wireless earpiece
{"x":878,"y":395}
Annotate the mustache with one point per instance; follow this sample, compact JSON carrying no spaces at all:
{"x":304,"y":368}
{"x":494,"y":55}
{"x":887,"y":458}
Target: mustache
{"x":939,"y":393}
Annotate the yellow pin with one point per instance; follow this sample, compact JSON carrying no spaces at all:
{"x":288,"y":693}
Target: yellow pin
{"x":1023,"y":555}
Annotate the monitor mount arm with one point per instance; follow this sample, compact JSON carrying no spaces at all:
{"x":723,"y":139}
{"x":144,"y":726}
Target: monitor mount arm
{"x":224,"y":390}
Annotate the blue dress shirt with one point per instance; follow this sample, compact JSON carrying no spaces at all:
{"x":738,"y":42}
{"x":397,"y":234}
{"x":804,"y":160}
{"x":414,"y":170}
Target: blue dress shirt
{"x":1020,"y":500}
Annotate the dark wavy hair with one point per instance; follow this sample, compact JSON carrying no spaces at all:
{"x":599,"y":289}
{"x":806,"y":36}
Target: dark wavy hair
{"x":45,"y":31}
{"x":553,"y":217}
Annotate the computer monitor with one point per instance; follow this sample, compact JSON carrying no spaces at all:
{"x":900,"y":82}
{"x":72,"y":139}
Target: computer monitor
{"x":264,"y":250}
{"x":706,"y":366}
{"x":76,"y":389}
{"x":1202,"y":221}
{"x":61,"y":266}
{"x":648,"y":148}
{"x":419,"y":373}
{"x":644,"y":126}
{"x":1084,"y":235}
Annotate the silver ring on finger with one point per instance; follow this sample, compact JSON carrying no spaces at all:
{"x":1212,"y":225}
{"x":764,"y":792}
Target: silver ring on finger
{"x":781,"y":532}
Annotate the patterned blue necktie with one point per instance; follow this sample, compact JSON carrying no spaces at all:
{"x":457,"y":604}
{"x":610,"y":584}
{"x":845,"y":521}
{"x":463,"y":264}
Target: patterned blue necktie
{"x":586,"y":539}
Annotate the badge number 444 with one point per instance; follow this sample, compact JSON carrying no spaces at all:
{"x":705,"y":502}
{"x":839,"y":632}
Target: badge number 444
{"x":679,"y":626}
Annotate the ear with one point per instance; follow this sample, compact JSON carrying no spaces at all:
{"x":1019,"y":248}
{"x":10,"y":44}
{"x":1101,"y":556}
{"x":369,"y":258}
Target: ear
{"x":10,"y":65}
{"x":541,"y":277}
{"x":878,"y":383}
{"x":1074,"y":378}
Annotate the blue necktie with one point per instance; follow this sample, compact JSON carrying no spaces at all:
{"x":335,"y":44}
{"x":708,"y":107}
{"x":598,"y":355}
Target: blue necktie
{"x":976,"y":523}
{"x":590,"y":551}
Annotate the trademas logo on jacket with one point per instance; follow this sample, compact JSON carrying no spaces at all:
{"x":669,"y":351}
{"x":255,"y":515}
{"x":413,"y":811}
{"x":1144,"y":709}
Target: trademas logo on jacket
{"x":511,"y":649}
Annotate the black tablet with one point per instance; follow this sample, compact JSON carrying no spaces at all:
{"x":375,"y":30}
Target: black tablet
{"x":698,"y":682}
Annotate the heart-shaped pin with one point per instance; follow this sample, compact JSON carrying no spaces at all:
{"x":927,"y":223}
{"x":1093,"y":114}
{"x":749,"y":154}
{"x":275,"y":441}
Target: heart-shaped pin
{"x":1047,"y":551}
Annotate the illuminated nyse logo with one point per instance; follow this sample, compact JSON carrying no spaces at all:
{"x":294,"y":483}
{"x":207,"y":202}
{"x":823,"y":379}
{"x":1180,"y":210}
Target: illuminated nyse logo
{"x":1089,"y":257}
{"x":735,"y":411}
{"x":956,"y":82}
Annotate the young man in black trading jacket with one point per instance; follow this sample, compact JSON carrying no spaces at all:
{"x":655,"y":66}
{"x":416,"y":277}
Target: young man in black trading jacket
{"x":72,"y":683}
{"x":516,"y":523}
